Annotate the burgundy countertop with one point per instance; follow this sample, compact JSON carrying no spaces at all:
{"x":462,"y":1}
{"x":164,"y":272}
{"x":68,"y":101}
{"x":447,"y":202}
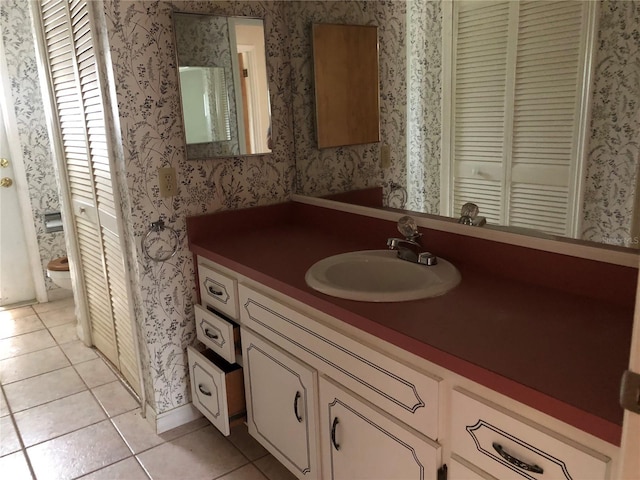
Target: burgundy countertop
{"x":554,"y":349}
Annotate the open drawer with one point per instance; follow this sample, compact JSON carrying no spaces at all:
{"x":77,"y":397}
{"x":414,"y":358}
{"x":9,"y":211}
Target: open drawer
{"x":217,"y":388}
{"x":218,"y":333}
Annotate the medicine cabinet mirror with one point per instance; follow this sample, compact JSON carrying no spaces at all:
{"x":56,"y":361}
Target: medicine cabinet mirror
{"x":223,"y":85}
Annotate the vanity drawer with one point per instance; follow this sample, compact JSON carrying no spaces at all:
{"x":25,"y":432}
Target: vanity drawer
{"x":217,"y":333}
{"x":507,"y":446}
{"x":395,"y":387}
{"x":217,"y":388}
{"x":218,"y":291}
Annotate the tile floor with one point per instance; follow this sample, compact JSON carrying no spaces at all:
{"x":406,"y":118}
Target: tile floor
{"x":65,"y":415}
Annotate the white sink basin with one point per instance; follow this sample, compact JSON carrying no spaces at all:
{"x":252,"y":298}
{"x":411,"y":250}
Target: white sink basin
{"x":380,"y":276}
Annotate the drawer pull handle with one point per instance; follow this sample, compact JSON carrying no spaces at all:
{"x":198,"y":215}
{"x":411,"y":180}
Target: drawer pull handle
{"x":333,"y":433}
{"x":212,"y":336}
{"x":213,"y":291}
{"x":203,"y":391}
{"x":514,"y":461}
{"x":295,"y":407}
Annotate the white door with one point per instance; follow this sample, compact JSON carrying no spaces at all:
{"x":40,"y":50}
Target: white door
{"x":281,"y":409}
{"x":361,"y":443}
{"x":16,"y":279}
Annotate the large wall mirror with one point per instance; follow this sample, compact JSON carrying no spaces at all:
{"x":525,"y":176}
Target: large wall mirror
{"x":223,"y":85}
{"x":608,"y":191}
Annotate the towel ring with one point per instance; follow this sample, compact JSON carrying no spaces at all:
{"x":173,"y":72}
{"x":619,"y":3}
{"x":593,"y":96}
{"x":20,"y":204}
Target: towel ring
{"x":147,"y":241}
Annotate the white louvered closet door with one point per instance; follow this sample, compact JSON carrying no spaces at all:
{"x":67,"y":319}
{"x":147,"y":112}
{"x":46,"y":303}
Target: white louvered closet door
{"x":519,"y":79}
{"x":75,"y":85}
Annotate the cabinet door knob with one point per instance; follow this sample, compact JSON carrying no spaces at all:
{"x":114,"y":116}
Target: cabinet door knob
{"x":212,"y":336}
{"x":515,"y":461}
{"x":203,"y":391}
{"x":333,"y":433}
{"x":295,"y":407}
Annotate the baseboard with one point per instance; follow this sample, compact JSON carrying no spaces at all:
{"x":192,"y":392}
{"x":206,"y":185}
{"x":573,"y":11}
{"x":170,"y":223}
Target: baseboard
{"x":173,"y":418}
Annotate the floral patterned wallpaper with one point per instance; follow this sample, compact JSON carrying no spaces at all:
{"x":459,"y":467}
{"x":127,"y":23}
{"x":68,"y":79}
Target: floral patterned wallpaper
{"x":333,"y":170}
{"x":614,"y":146}
{"x":32,"y":127}
{"x":140,"y":36}
{"x":424,"y":97}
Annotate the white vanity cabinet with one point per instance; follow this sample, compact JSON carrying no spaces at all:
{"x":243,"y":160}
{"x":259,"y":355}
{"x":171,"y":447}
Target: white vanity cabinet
{"x":361,"y":442}
{"x":508,"y":446}
{"x":333,"y":403}
{"x":281,"y":397}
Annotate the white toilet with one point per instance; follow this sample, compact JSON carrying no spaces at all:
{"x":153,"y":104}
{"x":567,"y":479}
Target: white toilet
{"x":58,"y":272}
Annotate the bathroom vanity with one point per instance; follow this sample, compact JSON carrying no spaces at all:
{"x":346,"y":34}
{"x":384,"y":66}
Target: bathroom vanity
{"x":513,"y":373}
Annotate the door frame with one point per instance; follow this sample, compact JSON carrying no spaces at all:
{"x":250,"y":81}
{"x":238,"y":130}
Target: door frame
{"x":629,"y":464}
{"x":24,"y":201}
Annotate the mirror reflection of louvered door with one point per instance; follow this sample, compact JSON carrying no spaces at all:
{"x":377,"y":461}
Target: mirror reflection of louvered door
{"x":519,"y":75}
{"x":82,"y":135}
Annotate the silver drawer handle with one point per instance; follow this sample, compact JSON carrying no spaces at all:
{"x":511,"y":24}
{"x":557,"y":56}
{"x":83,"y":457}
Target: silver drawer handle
{"x":212,"y":336}
{"x":514,"y":461}
{"x":203,"y":391}
{"x":213,"y":291}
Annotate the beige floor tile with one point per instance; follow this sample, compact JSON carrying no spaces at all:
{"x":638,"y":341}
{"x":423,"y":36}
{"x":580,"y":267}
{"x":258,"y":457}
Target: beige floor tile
{"x":43,"y":388}
{"x":127,"y":469}
{"x":64,"y":333}
{"x":57,"y":418}
{"x":11,"y":327}
{"x":248,"y":472}
{"x":244,"y":442}
{"x":136,"y":431}
{"x":184,"y":429}
{"x":4,"y":409}
{"x":9,"y":441}
{"x":15,"y":467}
{"x":203,"y":454}
{"x":273,"y":469}
{"x":27,"y":343}
{"x":95,"y":372}
{"x":16,"y":313}
{"x":32,"y":364}
{"x":60,"y":294}
{"x":48,"y":306}
{"x":77,"y":453}
{"x":114,"y":398}
{"x":59,"y":316}
{"x":78,"y":352}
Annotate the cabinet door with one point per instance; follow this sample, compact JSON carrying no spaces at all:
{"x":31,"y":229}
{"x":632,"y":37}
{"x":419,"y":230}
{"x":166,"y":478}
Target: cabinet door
{"x":360,"y":442}
{"x":281,"y":405}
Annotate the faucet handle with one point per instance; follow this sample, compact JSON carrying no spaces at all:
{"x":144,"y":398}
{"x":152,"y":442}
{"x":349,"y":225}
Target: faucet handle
{"x":407,"y":226}
{"x":469,"y":210}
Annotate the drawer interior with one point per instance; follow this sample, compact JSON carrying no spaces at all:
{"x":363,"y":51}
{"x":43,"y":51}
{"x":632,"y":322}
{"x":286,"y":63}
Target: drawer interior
{"x":234,"y":380}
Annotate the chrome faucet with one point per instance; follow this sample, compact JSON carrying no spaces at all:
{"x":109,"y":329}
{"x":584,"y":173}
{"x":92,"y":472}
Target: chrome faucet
{"x":410,"y":248}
